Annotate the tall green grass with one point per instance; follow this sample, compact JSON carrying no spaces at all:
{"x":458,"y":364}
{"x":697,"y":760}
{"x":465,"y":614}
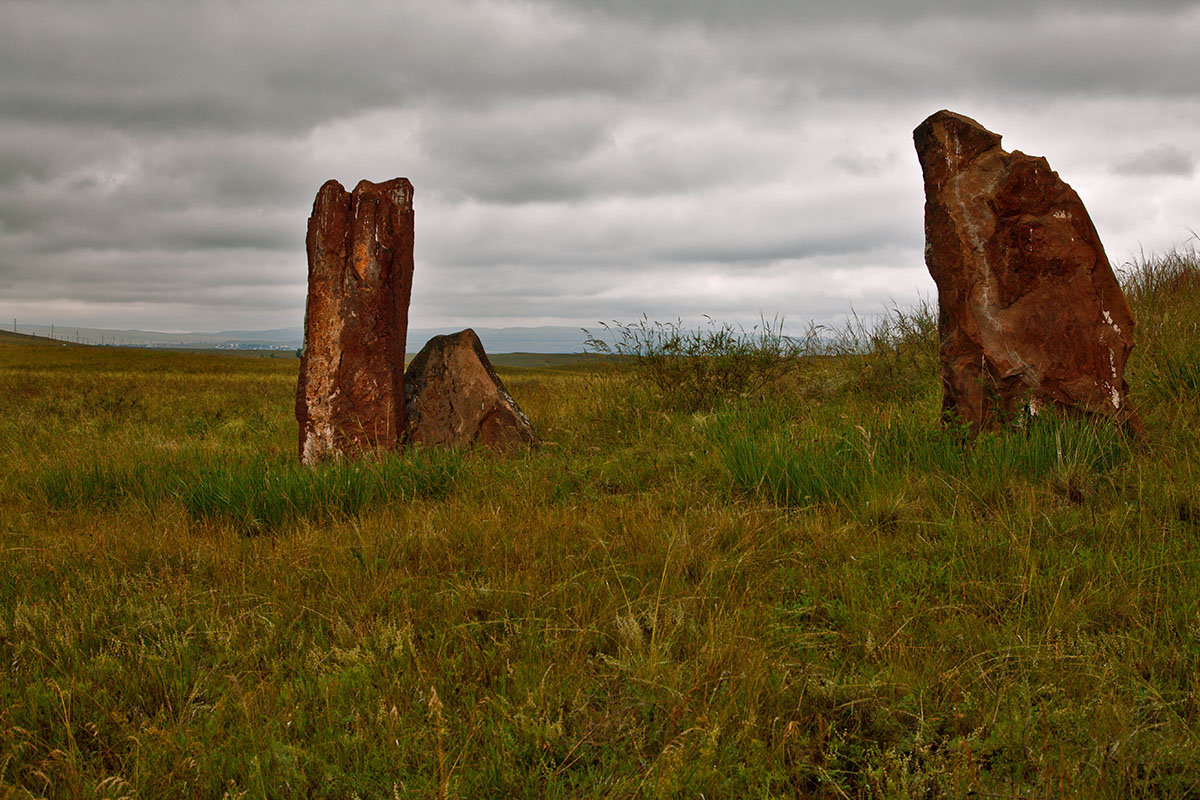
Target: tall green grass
{"x":97,"y":484}
{"x":257,"y":495}
{"x":1164,"y":292}
{"x":765,"y":455}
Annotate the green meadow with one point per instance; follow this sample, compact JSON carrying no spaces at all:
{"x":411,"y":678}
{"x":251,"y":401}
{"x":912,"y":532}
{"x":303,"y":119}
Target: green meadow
{"x":761,"y":575}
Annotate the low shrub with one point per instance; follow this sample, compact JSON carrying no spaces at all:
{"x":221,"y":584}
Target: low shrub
{"x":696,"y":368}
{"x":890,"y":355}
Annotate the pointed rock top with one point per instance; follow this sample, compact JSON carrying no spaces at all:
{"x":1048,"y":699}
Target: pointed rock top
{"x":464,"y":339}
{"x":454,"y":397}
{"x":950,"y":141}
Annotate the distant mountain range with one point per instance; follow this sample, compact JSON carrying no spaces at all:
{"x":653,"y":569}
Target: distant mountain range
{"x":543,"y":339}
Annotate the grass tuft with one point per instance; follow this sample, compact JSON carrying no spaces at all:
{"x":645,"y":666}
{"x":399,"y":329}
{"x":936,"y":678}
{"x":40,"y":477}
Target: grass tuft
{"x":257,"y":495}
{"x":262,"y":496}
{"x":762,"y":455}
{"x":92,"y":485}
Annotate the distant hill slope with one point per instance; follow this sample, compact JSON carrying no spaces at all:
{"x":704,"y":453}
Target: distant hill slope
{"x":540,"y":339}
{"x":8,"y":339}
{"x":28,"y":340}
{"x":543,"y":339}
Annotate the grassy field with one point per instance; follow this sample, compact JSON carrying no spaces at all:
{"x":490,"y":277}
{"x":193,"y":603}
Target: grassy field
{"x":809,"y":590}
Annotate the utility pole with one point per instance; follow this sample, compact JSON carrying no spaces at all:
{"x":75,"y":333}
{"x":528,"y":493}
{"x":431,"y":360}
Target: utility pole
{"x":51,"y":330}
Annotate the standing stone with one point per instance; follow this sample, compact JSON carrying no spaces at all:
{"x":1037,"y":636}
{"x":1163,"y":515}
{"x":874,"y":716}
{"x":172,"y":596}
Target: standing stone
{"x":360,"y":267}
{"x":1029,"y":311}
{"x":454,"y":397}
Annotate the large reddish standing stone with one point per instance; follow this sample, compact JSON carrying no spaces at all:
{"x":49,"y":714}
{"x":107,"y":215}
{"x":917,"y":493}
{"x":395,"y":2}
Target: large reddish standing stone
{"x":1030,"y":313}
{"x":454,"y":397}
{"x":360,"y":266}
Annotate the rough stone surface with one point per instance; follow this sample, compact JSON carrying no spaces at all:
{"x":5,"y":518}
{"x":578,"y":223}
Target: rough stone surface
{"x":1030,"y":313}
{"x":360,"y":265}
{"x":454,"y":397}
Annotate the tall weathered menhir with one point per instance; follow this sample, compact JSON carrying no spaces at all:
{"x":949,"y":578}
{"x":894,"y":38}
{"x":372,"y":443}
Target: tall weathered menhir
{"x":1030,"y":314}
{"x":360,"y":266}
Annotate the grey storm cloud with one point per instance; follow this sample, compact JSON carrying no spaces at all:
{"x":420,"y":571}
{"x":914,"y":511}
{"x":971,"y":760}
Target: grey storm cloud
{"x":572,"y":160}
{"x":1165,"y":160}
{"x":760,"y":13}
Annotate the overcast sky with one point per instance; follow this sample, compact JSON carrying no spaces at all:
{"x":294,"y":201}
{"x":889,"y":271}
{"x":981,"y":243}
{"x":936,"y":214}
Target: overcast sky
{"x":573,"y":160}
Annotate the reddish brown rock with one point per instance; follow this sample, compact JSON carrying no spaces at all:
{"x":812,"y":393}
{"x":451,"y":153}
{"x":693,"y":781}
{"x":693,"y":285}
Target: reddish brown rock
{"x":454,"y":397}
{"x":1030,"y":313}
{"x":360,"y":266}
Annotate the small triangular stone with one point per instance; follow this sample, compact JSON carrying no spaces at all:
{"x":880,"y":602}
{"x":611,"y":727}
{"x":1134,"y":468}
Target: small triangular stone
{"x":454,"y":397}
